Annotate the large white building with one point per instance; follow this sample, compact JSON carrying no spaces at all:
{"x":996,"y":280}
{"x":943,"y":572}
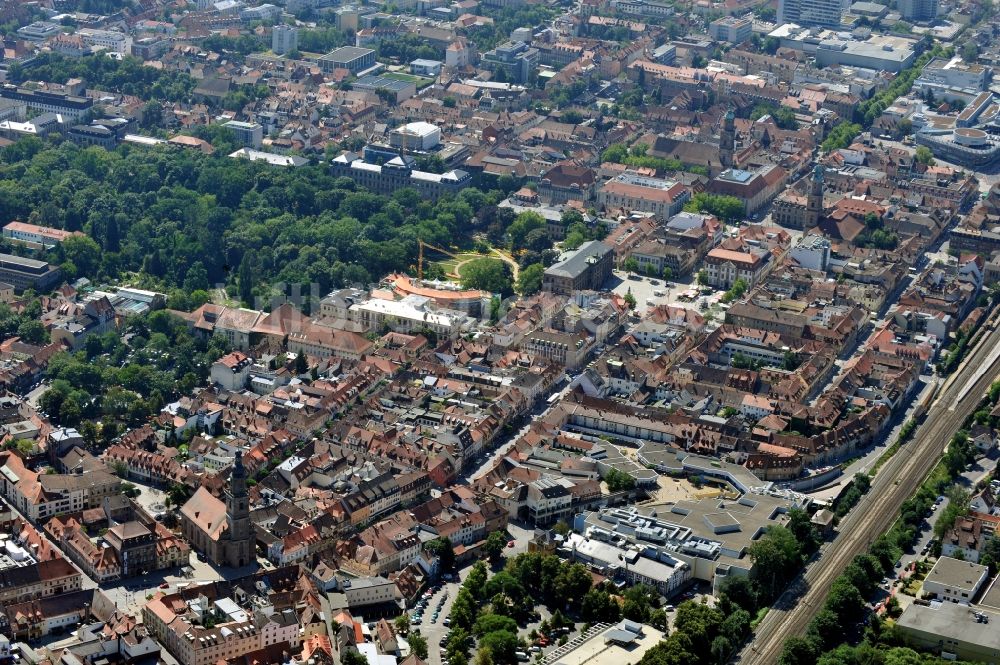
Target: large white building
{"x":825,"y":13}
{"x":116,"y":42}
{"x":265,"y":12}
{"x":955,"y":581}
{"x":951,"y":79}
{"x":732,"y":29}
{"x":248,"y":134}
{"x":284,"y":39}
{"x":416,"y":136}
{"x":891,"y":53}
{"x":812,"y":252}
{"x":410,"y":314}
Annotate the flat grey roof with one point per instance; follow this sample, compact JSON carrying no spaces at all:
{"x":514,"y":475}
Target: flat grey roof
{"x":346,"y":53}
{"x":868,"y":6}
{"x":955,"y":573}
{"x":953,"y":621}
{"x":578,"y":261}
{"x":20,"y":260}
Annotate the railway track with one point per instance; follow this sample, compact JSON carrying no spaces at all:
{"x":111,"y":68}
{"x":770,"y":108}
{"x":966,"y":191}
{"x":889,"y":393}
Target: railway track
{"x":879,"y":508}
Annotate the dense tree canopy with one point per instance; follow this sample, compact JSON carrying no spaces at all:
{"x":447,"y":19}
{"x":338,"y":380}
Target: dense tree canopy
{"x":487,"y":274}
{"x":727,"y":208}
{"x":179,"y":221}
{"x":127,"y":75}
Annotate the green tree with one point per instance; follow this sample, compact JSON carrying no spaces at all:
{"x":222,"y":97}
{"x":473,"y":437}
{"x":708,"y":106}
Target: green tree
{"x":502,"y":645}
{"x":463,"y":610}
{"x":33,"y":332}
{"x":619,"y":481}
{"x":970,"y":51}
{"x":458,"y":643}
{"x":638,"y":603}
{"x":529,"y":280}
{"x":631,"y":265}
{"x":923,"y":155}
{"x":990,"y":556}
{"x":301,"y":364}
{"x":495,"y":544}
{"x":727,"y":208}
{"x":442,"y":548}
{"x":570,"y":586}
{"x":804,"y":531}
{"x":475,"y":581}
{"x":489,"y":623}
{"x":418,"y":645}
{"x":740,"y":591}
{"x":841,"y":136}
{"x":700,"y":623}
{"x":523,"y":224}
{"x":351,"y":656}
{"x":402,"y":623}
{"x":777,"y":555}
{"x":196,"y":278}
{"x":598,"y":605}
{"x":491,"y":275}
{"x":676,"y":649}
{"x":736,"y":291}
{"x":799,"y":651}
{"x":83,"y":253}
{"x":246,"y":277}
{"x":630,"y":299}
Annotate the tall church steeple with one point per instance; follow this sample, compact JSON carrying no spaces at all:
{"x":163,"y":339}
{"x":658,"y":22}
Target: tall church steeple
{"x":727,"y":139}
{"x":814,"y":204}
{"x":239,"y":534}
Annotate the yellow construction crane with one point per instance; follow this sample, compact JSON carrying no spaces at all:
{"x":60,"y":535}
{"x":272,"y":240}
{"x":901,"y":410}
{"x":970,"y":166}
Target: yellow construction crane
{"x":420,"y":256}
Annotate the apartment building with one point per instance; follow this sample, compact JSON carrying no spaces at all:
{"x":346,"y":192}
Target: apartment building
{"x":248,"y":134}
{"x":284,"y":39}
{"x":362,"y":591}
{"x":43,"y":579}
{"x":725,"y":266}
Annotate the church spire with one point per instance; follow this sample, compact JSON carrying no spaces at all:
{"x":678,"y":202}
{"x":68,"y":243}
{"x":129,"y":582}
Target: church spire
{"x":238,"y":478}
{"x":727,"y":139}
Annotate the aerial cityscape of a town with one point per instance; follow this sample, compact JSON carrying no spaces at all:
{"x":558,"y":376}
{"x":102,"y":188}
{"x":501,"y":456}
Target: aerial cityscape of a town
{"x":499,"y":332}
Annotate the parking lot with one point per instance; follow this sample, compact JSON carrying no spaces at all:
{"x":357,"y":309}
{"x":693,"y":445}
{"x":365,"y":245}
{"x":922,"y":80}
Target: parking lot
{"x":645,"y":290}
{"x":433,"y":629}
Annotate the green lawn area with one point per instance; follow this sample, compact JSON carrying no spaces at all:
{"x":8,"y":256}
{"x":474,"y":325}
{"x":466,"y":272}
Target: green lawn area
{"x":479,"y":256}
{"x":420,"y":81}
{"x":449,"y":264}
